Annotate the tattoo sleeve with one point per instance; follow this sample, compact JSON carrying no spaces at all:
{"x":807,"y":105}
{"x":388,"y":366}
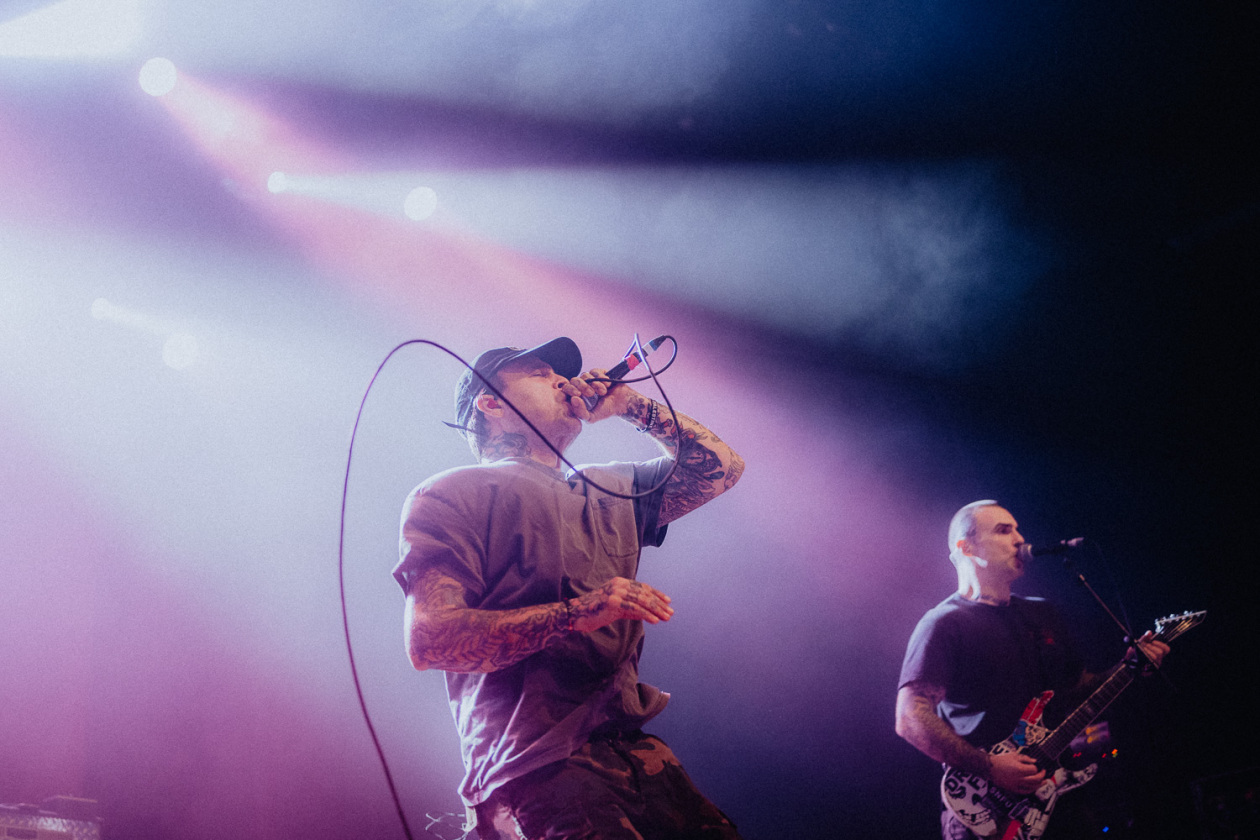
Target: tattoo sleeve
{"x":444,"y":632}
{"x":707,"y":467}
{"x":919,"y":724}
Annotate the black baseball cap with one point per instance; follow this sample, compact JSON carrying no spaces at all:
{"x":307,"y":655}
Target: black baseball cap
{"x":561,"y":353}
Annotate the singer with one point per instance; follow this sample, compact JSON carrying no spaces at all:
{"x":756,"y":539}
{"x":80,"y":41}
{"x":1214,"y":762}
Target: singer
{"x":520,"y":585}
{"x":975,"y":661}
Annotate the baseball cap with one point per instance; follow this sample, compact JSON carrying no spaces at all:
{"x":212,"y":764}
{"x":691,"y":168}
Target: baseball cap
{"x":561,"y":353}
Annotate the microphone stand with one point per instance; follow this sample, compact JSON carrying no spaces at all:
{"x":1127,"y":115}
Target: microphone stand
{"x":1129,"y":638}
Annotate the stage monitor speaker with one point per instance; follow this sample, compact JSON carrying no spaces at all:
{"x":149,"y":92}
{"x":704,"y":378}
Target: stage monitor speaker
{"x":28,"y":822}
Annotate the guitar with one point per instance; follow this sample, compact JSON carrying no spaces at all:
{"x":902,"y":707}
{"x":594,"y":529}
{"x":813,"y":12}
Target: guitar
{"x":990,"y":811}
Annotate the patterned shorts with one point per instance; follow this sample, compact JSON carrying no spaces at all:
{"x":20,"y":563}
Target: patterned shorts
{"x":626,"y":786}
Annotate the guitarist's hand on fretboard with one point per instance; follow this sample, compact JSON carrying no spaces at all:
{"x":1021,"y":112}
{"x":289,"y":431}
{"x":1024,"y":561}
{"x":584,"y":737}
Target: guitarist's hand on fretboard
{"x":1015,"y":772}
{"x":1154,"y":649}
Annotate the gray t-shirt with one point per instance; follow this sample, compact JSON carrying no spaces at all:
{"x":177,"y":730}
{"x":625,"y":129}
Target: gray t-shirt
{"x":515,"y":533}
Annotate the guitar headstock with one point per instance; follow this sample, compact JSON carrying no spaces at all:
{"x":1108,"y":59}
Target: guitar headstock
{"x":1171,"y":626}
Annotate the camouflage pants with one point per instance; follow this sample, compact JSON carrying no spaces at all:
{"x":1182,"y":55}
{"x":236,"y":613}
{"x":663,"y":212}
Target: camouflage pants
{"x":616,"y":787}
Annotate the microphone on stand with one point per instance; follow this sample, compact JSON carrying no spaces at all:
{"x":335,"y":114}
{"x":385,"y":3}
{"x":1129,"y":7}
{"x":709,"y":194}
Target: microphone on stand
{"x":1028,"y":551}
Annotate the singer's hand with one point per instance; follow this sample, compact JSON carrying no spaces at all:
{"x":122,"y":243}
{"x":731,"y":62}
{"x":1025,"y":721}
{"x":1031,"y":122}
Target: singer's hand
{"x":612,"y":398}
{"x":619,"y":598}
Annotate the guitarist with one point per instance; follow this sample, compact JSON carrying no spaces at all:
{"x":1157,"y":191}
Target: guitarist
{"x":976,"y":659}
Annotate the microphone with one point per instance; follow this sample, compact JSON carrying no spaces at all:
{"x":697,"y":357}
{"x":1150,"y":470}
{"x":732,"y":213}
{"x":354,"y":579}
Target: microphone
{"x":629,"y":363}
{"x":1028,"y":551}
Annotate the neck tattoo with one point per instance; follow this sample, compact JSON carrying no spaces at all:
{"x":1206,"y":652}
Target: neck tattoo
{"x":506,"y":445}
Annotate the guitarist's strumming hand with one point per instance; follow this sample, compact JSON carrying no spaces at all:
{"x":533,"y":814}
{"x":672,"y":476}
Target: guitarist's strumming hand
{"x":1015,"y":772}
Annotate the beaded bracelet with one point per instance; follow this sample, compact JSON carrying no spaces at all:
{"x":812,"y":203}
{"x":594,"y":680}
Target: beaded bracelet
{"x":651,"y":416}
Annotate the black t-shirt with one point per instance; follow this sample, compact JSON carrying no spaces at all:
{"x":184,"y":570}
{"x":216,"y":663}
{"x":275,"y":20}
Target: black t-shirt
{"x":991,"y":661}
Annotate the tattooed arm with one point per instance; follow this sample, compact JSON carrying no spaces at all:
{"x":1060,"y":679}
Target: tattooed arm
{"x":707,"y":467}
{"x":919,"y":724}
{"x":442,"y":631}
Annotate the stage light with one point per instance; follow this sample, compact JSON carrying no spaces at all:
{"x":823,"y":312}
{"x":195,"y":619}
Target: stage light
{"x":383,"y":193}
{"x":257,"y":151}
{"x":420,"y":203}
{"x":74,"y":29}
{"x":158,"y":77}
{"x":103,"y":310}
{"x":179,"y":351}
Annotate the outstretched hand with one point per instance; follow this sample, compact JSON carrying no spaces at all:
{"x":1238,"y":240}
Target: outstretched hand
{"x":617,"y":599}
